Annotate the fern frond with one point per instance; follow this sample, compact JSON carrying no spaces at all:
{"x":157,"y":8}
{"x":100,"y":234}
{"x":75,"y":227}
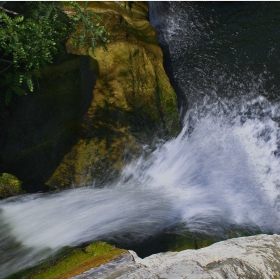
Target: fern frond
{"x":8,"y":96}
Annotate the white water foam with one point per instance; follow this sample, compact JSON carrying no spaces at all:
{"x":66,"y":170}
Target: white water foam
{"x":221,"y":171}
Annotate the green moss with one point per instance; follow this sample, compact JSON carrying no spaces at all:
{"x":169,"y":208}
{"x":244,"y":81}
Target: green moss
{"x":69,"y":262}
{"x":241,"y":232}
{"x":10,"y":185}
{"x":76,"y":131}
{"x":189,"y":241}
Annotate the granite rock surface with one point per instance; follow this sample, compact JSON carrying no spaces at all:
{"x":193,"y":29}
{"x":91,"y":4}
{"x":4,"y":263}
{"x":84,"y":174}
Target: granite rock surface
{"x":244,"y":257}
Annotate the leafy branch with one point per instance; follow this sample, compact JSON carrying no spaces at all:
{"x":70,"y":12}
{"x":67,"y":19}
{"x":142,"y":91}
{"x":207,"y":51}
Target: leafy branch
{"x":29,"y":40}
{"x":88,"y":31}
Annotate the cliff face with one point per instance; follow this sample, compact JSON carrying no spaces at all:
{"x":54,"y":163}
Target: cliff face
{"x":132,"y":94}
{"x":93,"y":118}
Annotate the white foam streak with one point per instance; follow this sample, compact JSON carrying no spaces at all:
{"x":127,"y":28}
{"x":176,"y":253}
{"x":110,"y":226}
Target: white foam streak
{"x":80,"y":215}
{"x":220,"y":172}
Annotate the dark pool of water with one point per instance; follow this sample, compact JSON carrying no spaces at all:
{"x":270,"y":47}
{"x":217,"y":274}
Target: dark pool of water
{"x":226,"y":48}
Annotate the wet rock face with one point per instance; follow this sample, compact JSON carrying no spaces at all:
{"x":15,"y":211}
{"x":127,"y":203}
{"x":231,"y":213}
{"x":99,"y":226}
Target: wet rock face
{"x":10,"y":185}
{"x":132,"y":96}
{"x":244,"y":257}
{"x":89,"y":113}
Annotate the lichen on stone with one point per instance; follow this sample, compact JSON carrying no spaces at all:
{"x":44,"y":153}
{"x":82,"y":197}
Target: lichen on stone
{"x":10,"y":185}
{"x":91,"y":113}
{"x":132,"y":95}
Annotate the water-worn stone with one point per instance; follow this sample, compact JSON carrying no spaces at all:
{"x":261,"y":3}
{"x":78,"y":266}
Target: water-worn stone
{"x":91,"y":112}
{"x":132,"y":96}
{"x":244,"y":257}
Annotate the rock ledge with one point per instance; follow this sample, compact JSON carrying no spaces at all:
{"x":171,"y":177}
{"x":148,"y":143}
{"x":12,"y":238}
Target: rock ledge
{"x":244,"y":257}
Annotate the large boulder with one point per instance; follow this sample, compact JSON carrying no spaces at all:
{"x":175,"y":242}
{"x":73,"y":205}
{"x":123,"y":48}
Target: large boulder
{"x":91,"y":112}
{"x":132,"y":98}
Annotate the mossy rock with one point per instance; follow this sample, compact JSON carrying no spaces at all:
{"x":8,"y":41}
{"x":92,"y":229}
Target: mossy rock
{"x":69,"y":262}
{"x":188,"y":240}
{"x":90,"y":115}
{"x":131,"y":97}
{"x":10,"y":185}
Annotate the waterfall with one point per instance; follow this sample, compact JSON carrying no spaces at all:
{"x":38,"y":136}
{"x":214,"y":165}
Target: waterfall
{"x":221,"y":172}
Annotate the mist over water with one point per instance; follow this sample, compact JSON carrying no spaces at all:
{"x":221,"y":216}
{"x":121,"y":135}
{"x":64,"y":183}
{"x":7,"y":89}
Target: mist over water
{"x":222,"y":172}
{"x":223,"y":49}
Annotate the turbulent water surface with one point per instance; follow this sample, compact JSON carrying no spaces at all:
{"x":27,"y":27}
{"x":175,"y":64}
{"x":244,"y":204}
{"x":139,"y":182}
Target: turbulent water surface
{"x":221,"y":173}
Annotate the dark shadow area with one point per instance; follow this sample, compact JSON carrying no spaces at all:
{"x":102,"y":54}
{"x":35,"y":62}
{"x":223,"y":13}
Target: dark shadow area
{"x":107,"y":119}
{"x":37,"y":130}
{"x":178,"y":238}
{"x":167,"y":64}
{"x":161,"y":9}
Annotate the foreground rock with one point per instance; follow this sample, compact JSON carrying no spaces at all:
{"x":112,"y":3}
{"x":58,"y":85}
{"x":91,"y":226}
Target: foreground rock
{"x":244,"y":257}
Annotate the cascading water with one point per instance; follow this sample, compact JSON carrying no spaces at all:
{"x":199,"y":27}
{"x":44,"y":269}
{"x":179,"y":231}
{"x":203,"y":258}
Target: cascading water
{"x":221,"y":173}
{"x":220,"y":49}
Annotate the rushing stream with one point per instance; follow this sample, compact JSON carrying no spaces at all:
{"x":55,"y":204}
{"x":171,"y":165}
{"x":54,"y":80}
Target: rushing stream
{"x":221,"y":173}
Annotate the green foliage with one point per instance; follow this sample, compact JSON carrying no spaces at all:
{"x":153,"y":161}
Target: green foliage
{"x":30,"y":40}
{"x":92,"y":32}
